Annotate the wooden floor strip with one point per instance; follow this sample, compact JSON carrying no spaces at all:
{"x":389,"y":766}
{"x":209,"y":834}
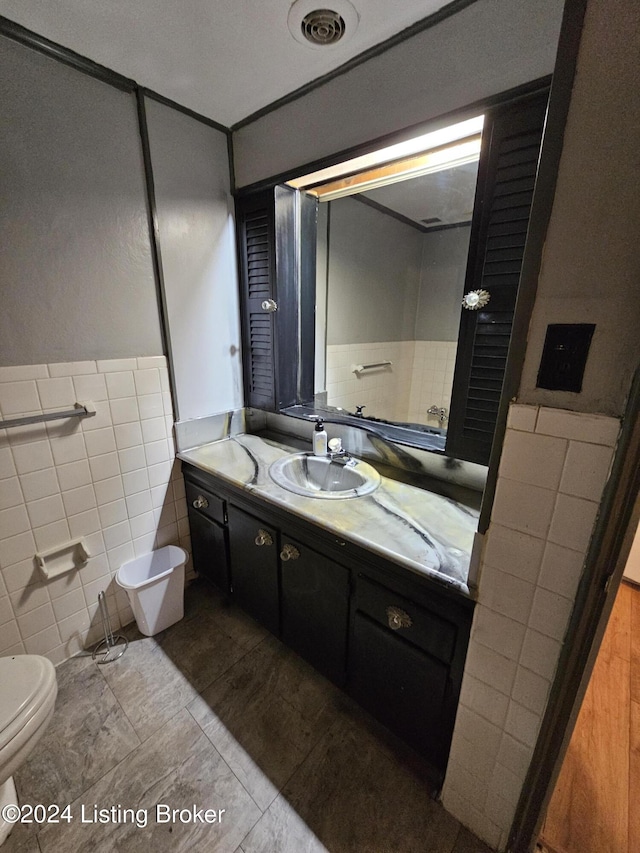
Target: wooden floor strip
{"x":590,"y":811}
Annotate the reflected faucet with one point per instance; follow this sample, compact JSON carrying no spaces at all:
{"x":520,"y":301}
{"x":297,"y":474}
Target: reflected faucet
{"x":440,"y":412}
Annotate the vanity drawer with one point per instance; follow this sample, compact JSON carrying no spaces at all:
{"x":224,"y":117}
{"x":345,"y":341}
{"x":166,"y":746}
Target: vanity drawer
{"x":206,"y":503}
{"x":419,"y":626}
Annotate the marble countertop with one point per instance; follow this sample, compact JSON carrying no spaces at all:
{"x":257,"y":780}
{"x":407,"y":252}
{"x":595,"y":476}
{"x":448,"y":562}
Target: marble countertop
{"x":429,"y":534}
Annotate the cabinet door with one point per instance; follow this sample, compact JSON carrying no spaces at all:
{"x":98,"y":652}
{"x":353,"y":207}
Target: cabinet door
{"x":402,"y":686}
{"x":209,"y":549}
{"x":253,"y":549}
{"x":315,"y":607}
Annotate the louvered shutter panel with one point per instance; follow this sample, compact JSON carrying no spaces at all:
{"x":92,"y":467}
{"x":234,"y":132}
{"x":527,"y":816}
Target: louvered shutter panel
{"x":257,"y":262}
{"x":499,"y":231}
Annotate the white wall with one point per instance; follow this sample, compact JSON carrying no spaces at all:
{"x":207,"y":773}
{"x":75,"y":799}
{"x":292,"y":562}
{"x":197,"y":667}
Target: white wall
{"x":197,"y":238}
{"x":491,"y":46}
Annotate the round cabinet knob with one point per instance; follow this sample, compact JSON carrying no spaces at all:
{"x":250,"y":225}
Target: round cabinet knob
{"x":263,"y":538}
{"x":201,"y":502}
{"x":398,"y":618}
{"x":270,"y":305}
{"x":289,"y":552}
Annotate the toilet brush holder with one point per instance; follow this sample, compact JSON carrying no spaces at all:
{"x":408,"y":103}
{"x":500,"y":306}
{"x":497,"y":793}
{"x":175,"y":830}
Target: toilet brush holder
{"x":114,"y":645}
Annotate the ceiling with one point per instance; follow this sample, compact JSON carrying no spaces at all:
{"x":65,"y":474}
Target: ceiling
{"x":446,"y":195}
{"x":224,"y":59}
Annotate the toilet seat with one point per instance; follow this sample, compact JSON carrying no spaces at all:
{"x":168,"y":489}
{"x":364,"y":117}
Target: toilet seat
{"x":27,"y":701}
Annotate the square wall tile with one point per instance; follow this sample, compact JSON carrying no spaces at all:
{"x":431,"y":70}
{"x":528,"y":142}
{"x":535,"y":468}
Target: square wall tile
{"x":109,"y":490}
{"x":586,"y":470}
{"x":522,"y":417}
{"x":15,"y":549}
{"x":56,"y":393}
{"x":100,"y":441}
{"x":51,"y":535}
{"x":572,"y":522}
{"x":33,"y":456}
{"x":36,"y":620}
{"x":540,"y":654}
{"x":124,"y":410}
{"x":68,"y":448}
{"x":73,"y":475}
{"x":498,"y":632}
{"x":10,"y":493}
{"x":7,"y":468}
{"x":513,"y":552}
{"x":550,"y":614}
{"x":39,"y":484}
{"x":78,"y":500}
{"x":147,"y":381}
{"x":523,"y":507}
{"x":515,"y":756}
{"x":491,"y":667}
{"x":104,"y":467}
{"x":531,"y":690}
{"x":534,"y":459}
{"x":561,"y":570}
{"x":522,"y":724}
{"x":128,"y":435}
{"x":43,"y":642}
{"x":29,"y":598}
{"x":90,"y":387}
{"x":132,"y":459}
{"x":484,"y":700}
{"x":45,"y":510}
{"x":120,"y":384}
{"x":506,"y":594}
{"x":19,"y":398}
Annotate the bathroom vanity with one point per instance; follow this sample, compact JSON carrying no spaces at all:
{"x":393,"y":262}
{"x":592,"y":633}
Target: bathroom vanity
{"x":370,"y":590}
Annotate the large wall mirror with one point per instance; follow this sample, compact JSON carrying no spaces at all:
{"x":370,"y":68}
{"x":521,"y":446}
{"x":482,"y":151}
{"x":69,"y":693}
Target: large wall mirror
{"x":354,"y":279}
{"x":392,"y":252}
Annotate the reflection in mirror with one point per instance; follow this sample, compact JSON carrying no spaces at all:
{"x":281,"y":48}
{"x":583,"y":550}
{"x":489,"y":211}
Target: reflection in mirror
{"x":391,"y":261}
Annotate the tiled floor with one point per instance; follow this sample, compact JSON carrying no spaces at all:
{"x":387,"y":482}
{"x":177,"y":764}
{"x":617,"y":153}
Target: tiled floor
{"x":218,"y":714}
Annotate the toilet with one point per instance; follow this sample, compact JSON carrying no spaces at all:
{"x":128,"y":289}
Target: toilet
{"x":28,"y":691}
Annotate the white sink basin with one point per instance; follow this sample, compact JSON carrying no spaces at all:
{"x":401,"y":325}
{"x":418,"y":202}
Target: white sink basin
{"x":322,"y":477}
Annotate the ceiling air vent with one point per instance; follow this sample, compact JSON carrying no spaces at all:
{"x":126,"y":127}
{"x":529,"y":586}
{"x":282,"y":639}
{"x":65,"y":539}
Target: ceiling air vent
{"x":322,"y":28}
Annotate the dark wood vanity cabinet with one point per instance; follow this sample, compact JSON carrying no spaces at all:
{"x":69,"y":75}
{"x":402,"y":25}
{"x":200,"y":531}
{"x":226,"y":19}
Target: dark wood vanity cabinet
{"x":395,"y":641}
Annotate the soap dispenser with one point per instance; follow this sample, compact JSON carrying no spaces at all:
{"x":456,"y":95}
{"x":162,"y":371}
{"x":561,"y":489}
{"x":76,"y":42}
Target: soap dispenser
{"x":319,"y":439}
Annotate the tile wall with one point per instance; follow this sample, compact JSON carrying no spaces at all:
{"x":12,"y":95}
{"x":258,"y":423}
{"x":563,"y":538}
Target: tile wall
{"x":111,"y":479}
{"x":553,"y":469}
{"x":420,"y":376}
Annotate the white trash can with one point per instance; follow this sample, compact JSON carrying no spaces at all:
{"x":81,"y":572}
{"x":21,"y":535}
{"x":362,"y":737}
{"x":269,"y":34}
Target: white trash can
{"x":155,"y":586}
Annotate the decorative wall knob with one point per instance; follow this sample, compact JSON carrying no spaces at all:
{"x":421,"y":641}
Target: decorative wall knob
{"x":270,"y":305}
{"x":289,"y":552}
{"x":475,"y":299}
{"x":398,"y":618}
{"x":201,"y":502}
{"x":263,"y":538}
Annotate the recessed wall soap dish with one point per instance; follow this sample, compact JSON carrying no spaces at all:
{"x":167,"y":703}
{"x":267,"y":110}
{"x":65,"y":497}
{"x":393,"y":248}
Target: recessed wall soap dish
{"x":62,"y":559}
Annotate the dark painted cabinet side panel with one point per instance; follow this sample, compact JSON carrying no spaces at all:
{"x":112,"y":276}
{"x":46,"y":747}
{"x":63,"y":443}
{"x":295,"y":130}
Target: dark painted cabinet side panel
{"x":315,"y":609}
{"x":254,"y":568}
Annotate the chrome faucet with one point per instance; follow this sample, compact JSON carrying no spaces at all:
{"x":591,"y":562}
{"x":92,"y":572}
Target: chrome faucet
{"x":440,"y":412}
